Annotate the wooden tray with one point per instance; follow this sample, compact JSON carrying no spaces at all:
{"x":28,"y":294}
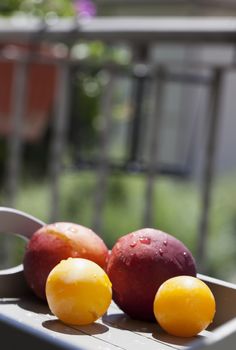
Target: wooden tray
{"x":26,"y":322}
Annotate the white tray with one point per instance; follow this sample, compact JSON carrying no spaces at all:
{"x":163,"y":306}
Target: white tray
{"x":26,"y":322}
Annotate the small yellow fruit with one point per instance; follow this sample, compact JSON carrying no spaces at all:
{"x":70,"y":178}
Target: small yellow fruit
{"x":78,"y":291}
{"x":184,"y":306}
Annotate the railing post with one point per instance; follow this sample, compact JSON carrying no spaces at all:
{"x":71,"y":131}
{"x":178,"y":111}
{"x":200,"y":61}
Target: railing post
{"x":209,"y":170}
{"x":153,"y":155}
{"x":139,"y":77}
{"x":103,"y":166}
{"x":15,"y":139}
{"x":58,"y":141}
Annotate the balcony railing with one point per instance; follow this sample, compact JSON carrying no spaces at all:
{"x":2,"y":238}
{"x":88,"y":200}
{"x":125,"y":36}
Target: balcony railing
{"x":140,"y":34}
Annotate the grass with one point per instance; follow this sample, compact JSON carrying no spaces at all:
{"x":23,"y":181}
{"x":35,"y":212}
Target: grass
{"x":176,"y":211}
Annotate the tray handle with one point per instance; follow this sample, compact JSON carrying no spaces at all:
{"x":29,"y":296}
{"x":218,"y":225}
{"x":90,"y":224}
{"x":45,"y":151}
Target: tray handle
{"x":13,"y":221}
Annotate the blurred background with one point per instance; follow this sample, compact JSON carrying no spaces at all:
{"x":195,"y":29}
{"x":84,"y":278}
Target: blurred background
{"x":119,"y":115}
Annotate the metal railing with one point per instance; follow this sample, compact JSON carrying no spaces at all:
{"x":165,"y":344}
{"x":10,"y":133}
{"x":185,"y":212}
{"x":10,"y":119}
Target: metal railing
{"x":140,"y":34}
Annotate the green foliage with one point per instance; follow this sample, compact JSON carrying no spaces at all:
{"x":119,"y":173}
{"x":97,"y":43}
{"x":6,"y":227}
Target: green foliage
{"x":84,"y":112}
{"x":7,"y":7}
{"x":177,"y":209}
{"x":222,"y":231}
{"x":41,"y":8}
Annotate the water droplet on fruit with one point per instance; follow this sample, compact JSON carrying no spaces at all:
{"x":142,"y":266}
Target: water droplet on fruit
{"x":184,"y":254}
{"x":165,"y":243}
{"x":145,"y":240}
{"x":72,"y":229}
{"x":161,"y":252}
{"x":133,"y":244}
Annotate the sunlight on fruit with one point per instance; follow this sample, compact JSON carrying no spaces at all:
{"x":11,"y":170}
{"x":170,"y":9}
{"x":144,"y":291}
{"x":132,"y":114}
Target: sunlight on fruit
{"x":184,"y":306}
{"x":78,"y":291}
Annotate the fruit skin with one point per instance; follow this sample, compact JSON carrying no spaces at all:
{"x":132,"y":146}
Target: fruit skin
{"x":139,"y":263}
{"x":184,"y":306}
{"x":57,"y":241}
{"x":78,"y":291}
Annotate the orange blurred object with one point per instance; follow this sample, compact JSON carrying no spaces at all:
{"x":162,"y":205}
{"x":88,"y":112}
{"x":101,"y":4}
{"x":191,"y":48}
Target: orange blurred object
{"x":40,"y":88}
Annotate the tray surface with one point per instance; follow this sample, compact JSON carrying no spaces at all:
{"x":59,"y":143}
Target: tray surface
{"x":113,"y":331}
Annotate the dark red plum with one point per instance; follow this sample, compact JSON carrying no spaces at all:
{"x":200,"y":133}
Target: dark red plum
{"x":139,"y":263}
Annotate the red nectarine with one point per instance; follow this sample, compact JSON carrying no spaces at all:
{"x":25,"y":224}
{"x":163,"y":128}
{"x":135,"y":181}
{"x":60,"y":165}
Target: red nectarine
{"x":57,"y":241}
{"x":139,"y":263}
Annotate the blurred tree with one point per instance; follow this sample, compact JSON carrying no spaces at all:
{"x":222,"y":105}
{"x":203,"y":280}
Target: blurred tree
{"x":7,"y":7}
